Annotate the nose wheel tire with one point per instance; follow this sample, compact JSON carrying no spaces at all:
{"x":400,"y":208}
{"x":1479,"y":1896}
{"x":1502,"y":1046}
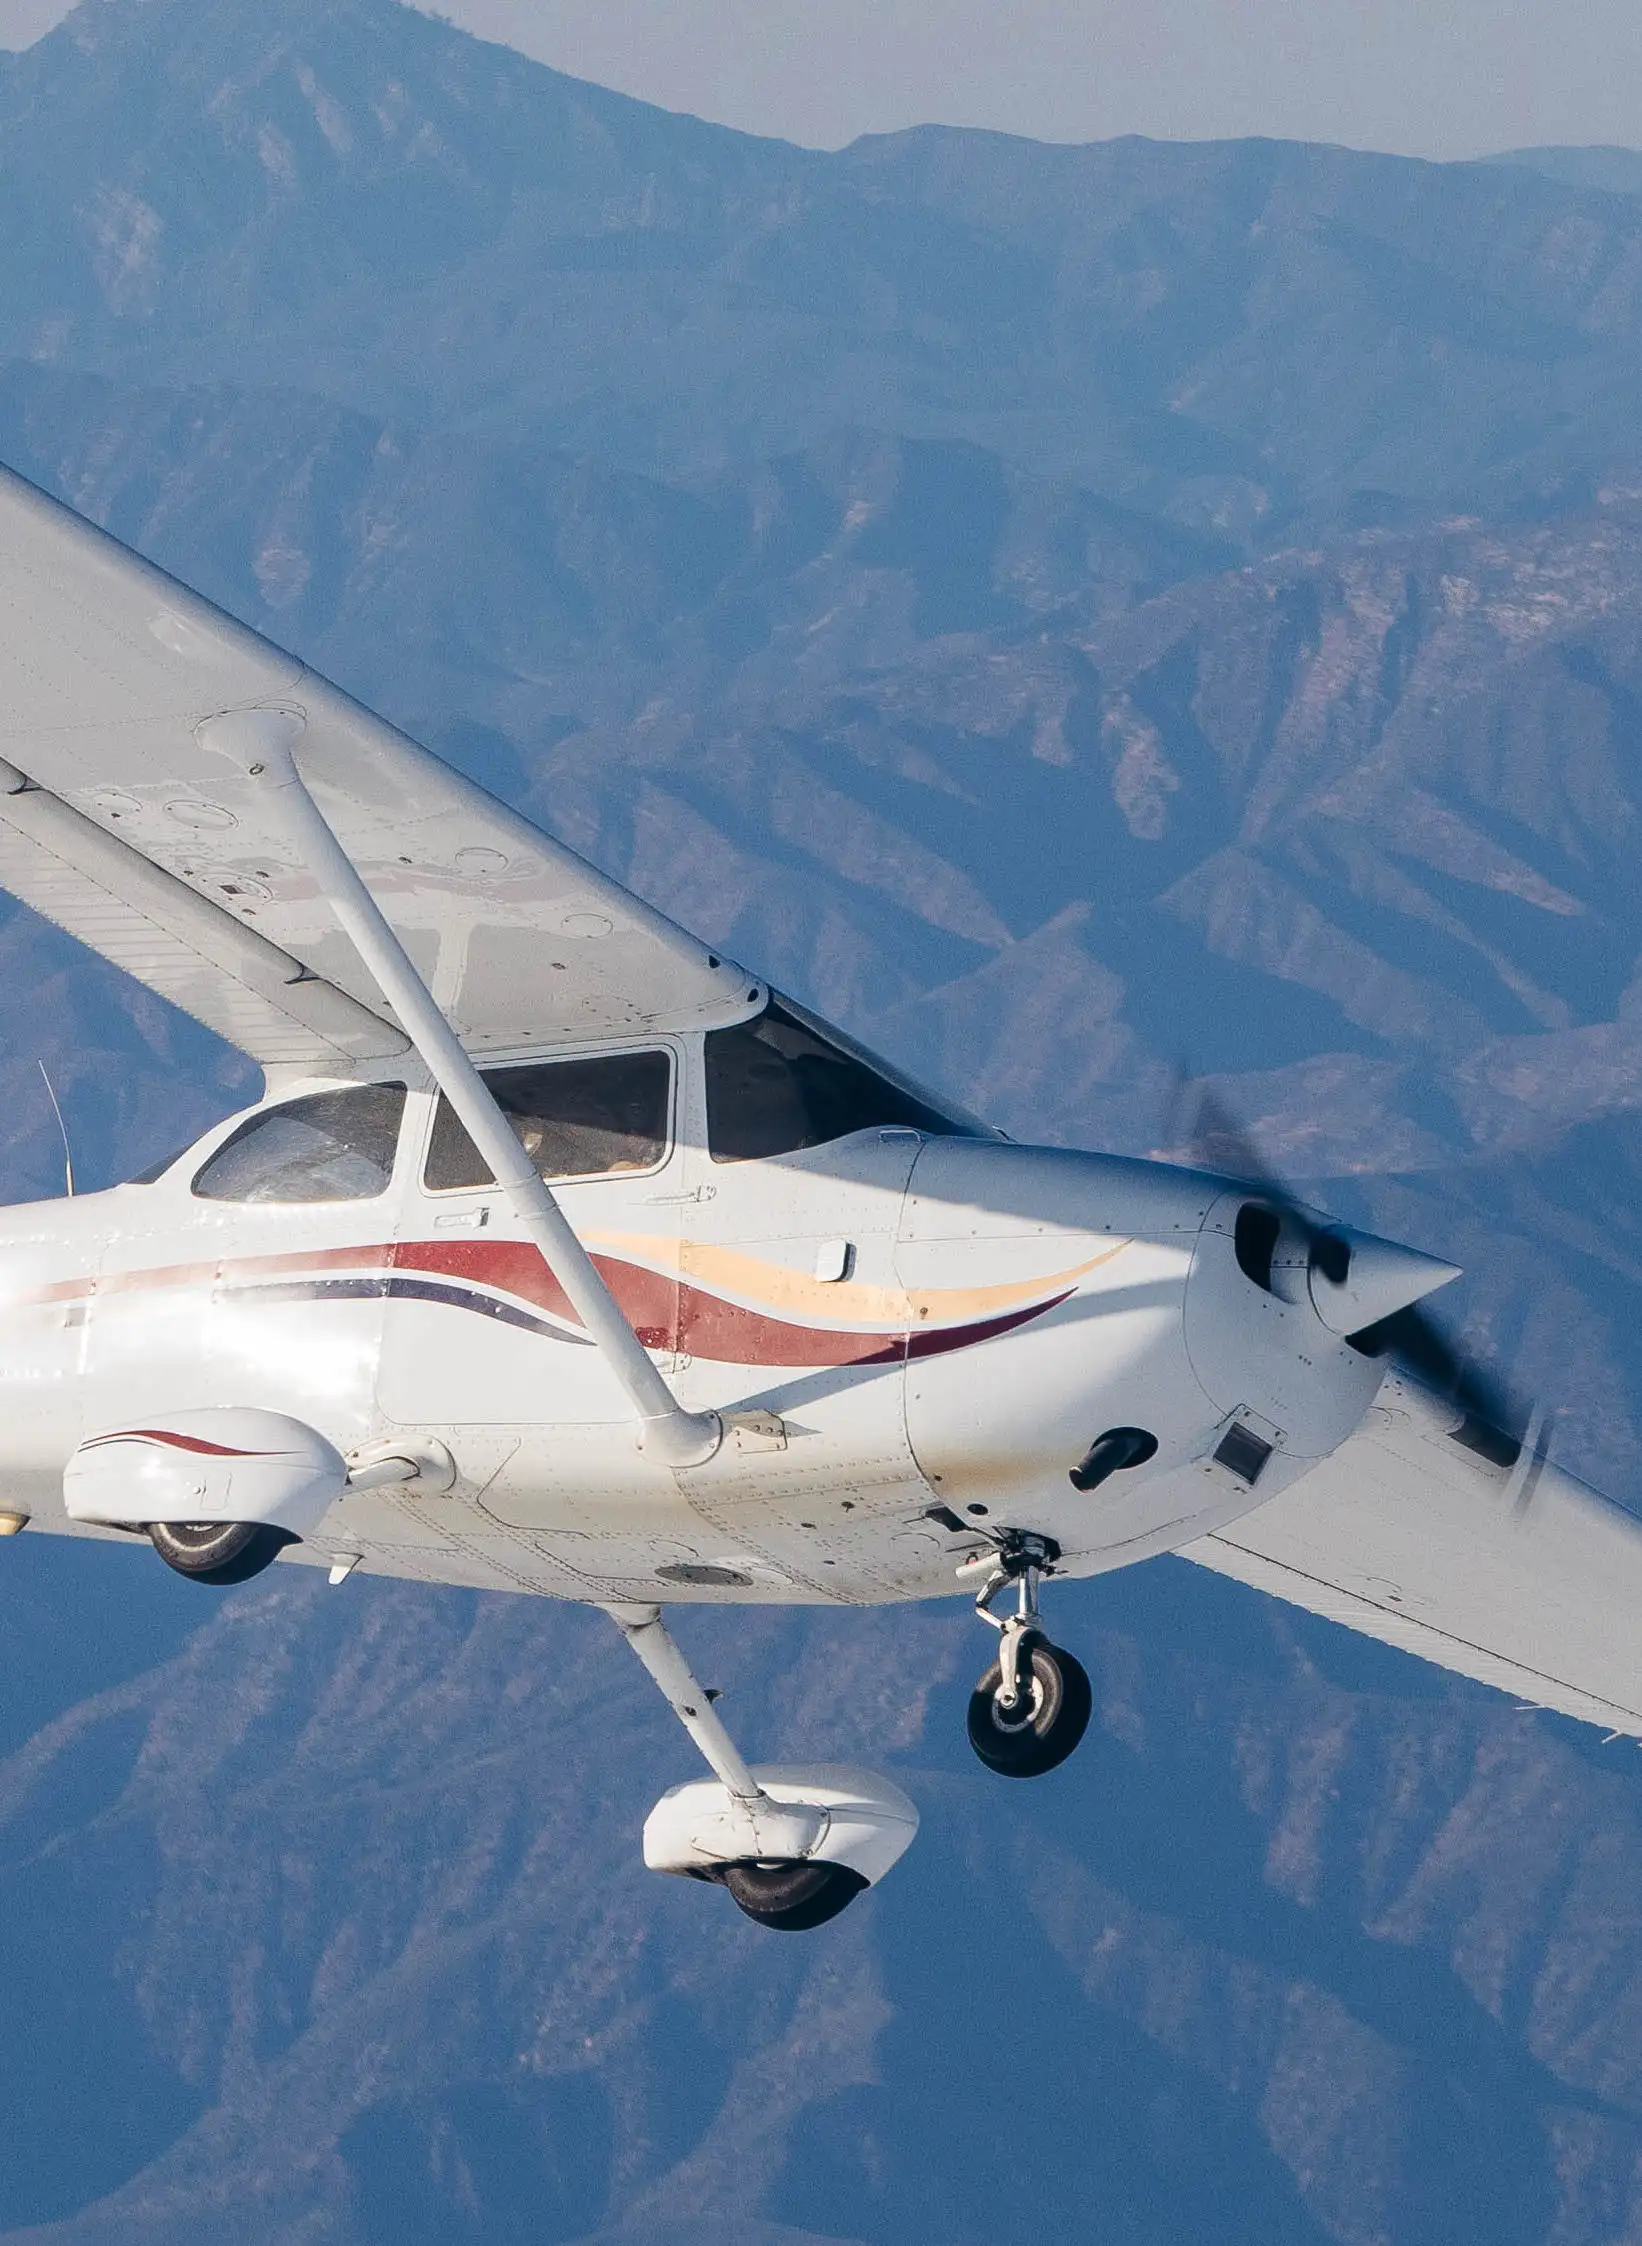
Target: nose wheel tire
{"x":1050,"y":1715}
{"x":792,"y":1897}
{"x":217,"y":1551}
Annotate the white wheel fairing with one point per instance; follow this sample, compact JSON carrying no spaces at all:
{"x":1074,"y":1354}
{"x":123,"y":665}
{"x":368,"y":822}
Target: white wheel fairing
{"x":222,"y":1464}
{"x":821,"y":1812}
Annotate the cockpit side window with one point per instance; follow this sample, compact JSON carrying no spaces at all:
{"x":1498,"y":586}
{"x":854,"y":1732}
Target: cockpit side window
{"x":328,"y":1146}
{"x":575,"y":1119}
{"x":777,"y":1084}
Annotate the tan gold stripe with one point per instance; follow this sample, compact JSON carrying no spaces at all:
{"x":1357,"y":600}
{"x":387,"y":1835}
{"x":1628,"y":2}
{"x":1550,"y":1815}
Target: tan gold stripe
{"x":774,"y":1287}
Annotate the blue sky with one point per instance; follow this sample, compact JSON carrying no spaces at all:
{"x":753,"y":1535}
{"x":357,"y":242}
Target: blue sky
{"x":1454,"y":78}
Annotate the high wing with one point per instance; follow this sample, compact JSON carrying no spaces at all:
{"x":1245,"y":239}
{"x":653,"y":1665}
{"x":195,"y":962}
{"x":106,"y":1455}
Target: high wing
{"x":1517,"y":1575}
{"x":157,"y":852}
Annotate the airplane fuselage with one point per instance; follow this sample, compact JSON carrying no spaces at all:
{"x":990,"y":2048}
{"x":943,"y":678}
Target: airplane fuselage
{"x":928,"y":1332}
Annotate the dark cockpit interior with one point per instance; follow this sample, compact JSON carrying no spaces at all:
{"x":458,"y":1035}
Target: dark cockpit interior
{"x":780,"y":1083}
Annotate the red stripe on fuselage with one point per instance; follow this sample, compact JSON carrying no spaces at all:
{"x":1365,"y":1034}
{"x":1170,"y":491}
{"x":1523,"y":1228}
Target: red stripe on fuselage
{"x":665,"y":1314}
{"x":175,"y":1442}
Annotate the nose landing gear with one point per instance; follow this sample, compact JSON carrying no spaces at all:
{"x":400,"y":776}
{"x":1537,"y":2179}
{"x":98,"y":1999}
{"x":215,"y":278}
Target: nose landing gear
{"x":1032,"y":1706}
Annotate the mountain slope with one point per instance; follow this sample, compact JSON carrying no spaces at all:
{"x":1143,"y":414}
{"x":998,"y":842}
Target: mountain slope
{"x":1301,"y":1963}
{"x":1019,"y":598}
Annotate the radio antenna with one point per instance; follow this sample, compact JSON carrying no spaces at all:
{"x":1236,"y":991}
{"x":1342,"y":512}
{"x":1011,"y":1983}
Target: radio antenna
{"x":68,"y":1158}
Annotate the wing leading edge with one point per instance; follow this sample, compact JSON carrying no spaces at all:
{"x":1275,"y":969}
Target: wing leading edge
{"x":117,"y":824}
{"x":1519,"y":1576}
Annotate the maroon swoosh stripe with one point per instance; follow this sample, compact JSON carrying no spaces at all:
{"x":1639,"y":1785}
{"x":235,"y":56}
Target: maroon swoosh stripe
{"x":664,"y":1314}
{"x":176,"y":1442}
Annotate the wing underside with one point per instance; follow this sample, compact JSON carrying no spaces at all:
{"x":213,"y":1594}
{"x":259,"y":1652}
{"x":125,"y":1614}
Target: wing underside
{"x":158,"y":929}
{"x":117,"y":824}
{"x":1515,"y":1574}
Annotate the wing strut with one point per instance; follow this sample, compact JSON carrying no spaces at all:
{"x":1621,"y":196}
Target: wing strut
{"x":261,"y":741}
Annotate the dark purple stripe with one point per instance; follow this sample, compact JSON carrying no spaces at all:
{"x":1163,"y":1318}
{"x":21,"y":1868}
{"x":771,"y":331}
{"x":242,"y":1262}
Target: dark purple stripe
{"x":397,"y":1286}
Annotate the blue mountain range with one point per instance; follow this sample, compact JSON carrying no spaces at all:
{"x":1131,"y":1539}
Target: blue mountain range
{"x":1075,"y":615}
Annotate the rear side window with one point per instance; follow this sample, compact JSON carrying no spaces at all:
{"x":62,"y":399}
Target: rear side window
{"x":331,"y":1146}
{"x":575,"y":1119}
{"x":775,"y":1085}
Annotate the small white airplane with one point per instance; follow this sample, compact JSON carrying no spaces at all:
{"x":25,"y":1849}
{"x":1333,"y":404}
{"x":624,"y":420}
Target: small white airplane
{"x":563,"y":1256}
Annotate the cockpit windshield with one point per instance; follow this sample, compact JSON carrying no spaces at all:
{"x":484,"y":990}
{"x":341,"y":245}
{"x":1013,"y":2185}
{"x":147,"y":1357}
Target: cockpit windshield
{"x":781,"y":1082}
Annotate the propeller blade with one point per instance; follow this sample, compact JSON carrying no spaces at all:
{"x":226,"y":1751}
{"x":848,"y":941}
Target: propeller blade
{"x":1416,"y":1344}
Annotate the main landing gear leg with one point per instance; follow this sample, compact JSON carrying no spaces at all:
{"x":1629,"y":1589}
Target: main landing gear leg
{"x":762,"y":1834}
{"x":1032,"y":1706}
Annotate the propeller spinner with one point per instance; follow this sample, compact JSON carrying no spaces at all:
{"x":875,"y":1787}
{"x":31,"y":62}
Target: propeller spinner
{"x":1369,"y":1291}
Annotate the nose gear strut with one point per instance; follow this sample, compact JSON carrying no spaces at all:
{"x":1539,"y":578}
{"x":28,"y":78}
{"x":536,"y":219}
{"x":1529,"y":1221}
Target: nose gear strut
{"x":1032,"y":1706}
{"x":1022,"y":1558}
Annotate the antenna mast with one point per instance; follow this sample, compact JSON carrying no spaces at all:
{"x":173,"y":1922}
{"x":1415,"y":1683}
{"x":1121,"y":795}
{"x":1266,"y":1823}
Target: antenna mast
{"x":68,"y":1158}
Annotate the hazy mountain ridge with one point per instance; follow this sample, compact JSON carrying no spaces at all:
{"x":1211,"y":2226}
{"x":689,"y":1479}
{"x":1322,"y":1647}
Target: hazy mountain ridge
{"x":1244,"y":334}
{"x":1065,"y":611}
{"x":1612,"y":171}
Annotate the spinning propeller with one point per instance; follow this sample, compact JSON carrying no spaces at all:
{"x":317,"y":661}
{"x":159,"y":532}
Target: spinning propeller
{"x":1367,"y":1290}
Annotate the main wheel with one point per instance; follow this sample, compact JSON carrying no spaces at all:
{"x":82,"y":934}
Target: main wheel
{"x":217,"y":1551}
{"x":793,"y":1897}
{"x":1045,"y":1724}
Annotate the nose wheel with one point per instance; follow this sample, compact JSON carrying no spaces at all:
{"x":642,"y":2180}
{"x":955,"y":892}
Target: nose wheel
{"x":1032,"y":1706}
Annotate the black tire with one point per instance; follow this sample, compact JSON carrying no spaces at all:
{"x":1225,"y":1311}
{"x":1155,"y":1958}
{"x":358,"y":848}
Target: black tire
{"x":792,"y":1897}
{"x":1042,"y":1734}
{"x":218,"y":1551}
